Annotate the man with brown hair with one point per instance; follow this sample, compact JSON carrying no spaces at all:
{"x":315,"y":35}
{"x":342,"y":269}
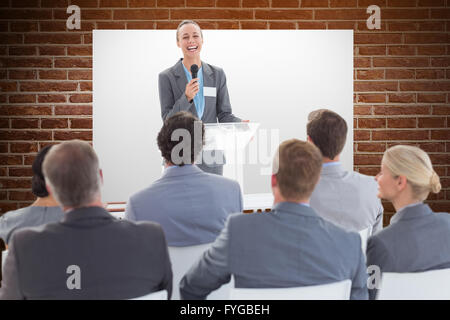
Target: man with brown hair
{"x":190,"y":205}
{"x":348,"y":199}
{"x":290,"y":246}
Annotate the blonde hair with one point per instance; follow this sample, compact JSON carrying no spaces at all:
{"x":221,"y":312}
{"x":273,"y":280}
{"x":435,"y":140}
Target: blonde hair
{"x":182,"y":23}
{"x":415,"y":165}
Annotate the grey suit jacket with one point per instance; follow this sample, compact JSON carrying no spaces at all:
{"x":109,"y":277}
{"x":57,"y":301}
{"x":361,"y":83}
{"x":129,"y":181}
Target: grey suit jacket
{"x":191,"y":205}
{"x":27,"y":217}
{"x":417,"y":240}
{"x":118,"y":259}
{"x":348,"y":199}
{"x":288,"y":247}
{"x":172,"y":84}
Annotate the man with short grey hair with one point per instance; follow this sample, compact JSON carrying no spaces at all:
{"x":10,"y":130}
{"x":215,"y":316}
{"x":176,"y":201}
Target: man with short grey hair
{"x":88,"y":254}
{"x":75,"y":159}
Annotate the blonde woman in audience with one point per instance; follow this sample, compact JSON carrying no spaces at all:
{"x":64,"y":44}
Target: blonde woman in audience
{"x":417,"y":239}
{"x":44,"y":210}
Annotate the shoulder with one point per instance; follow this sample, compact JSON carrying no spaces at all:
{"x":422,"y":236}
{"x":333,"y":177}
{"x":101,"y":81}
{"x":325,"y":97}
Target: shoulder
{"x":31,"y":235}
{"x":141,"y":229}
{"x":170,"y":71}
{"x":144,"y":226}
{"x":365,"y":185}
{"x":166,"y":72}
{"x":148,"y":230}
{"x":341,"y":234}
{"x":382,"y":238}
{"x":145,"y":194}
{"x":445,"y":216}
{"x":215,"y":70}
{"x":55,"y":210}
{"x":363,"y":179}
{"x":442,"y":220}
{"x":16,"y":214}
{"x":220,"y":179}
{"x":243,"y":222}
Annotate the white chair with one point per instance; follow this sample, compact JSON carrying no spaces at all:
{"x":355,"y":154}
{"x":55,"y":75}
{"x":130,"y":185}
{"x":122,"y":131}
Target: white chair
{"x":331,"y":291}
{"x":158,"y":295}
{"x":4,"y":254}
{"x":182,"y":259}
{"x":365,"y":234}
{"x":428,"y":285}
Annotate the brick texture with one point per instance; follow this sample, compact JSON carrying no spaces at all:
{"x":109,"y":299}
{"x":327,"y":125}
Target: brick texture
{"x":401,"y":87}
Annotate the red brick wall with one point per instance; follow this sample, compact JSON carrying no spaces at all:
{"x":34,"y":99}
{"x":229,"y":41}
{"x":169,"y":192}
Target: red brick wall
{"x":401,"y":71}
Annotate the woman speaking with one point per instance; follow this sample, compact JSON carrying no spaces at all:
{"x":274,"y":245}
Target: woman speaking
{"x":205,"y":95}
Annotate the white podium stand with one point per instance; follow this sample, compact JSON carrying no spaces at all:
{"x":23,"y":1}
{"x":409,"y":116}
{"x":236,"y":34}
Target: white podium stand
{"x":231,"y":138}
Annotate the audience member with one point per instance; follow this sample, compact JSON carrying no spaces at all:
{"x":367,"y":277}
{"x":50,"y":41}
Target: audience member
{"x":191,"y":205}
{"x":88,"y":254}
{"x":346,"y":198}
{"x":417,"y":239}
{"x":44,"y":210}
{"x":288,"y":247}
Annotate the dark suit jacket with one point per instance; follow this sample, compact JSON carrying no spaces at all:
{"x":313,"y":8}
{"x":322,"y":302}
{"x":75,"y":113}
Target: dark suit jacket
{"x":288,"y":247}
{"x":417,"y":240}
{"x":118,"y":259}
{"x":172,"y":84}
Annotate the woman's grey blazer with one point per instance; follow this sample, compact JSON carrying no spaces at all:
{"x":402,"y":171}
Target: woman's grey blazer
{"x":172,"y":85}
{"x":417,"y":240}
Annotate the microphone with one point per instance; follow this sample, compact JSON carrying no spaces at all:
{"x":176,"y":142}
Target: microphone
{"x":194,"y":70}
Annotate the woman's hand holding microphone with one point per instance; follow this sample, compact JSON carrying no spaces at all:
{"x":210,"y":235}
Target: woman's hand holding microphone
{"x":191,"y":89}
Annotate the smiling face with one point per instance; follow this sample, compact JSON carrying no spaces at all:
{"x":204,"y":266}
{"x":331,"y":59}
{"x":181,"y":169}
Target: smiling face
{"x":190,"y":40}
{"x":388,"y":185}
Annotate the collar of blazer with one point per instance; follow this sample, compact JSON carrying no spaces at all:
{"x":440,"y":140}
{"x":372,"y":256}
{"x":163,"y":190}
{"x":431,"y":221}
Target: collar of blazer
{"x":293,"y":207}
{"x":419,"y":210}
{"x":208,"y":75}
{"x":176,"y":171}
{"x":86,"y":215}
{"x":333,"y":169}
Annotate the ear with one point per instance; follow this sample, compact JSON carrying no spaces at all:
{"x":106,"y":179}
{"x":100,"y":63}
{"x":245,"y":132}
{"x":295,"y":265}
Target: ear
{"x":100,"y":171}
{"x":178,"y":43}
{"x":308,"y":138}
{"x":49,"y":189}
{"x":401,"y":183}
{"x":274,"y":181}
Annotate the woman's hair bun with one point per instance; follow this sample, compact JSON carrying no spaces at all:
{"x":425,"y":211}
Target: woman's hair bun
{"x":435,"y":183}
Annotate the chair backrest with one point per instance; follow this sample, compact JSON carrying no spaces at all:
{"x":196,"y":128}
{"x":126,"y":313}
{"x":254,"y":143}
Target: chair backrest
{"x":182,"y":259}
{"x":158,"y":295}
{"x":331,"y":291}
{"x":4,"y":254}
{"x":428,"y":285}
{"x":365,"y":234}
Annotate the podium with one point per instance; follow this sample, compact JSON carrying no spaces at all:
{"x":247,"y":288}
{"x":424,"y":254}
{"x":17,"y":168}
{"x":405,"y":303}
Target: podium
{"x":230,"y":139}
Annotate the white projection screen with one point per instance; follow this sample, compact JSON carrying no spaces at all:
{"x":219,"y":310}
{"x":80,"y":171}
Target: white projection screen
{"x":274,"y":77}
